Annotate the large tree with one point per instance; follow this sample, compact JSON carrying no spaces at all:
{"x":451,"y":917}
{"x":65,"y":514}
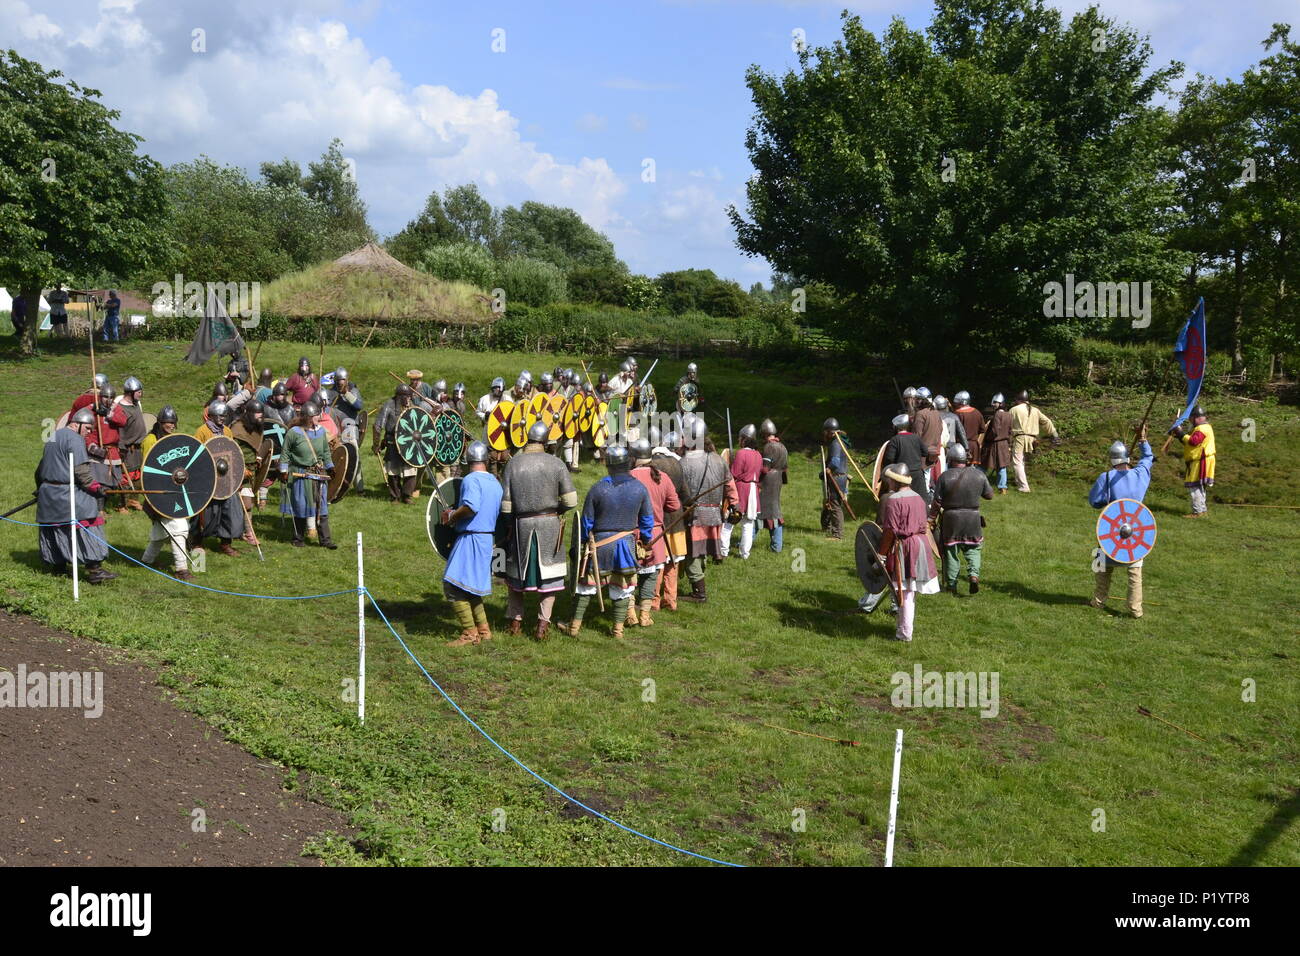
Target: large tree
{"x":939,"y":180}
{"x":75,"y":196}
{"x":557,"y":235}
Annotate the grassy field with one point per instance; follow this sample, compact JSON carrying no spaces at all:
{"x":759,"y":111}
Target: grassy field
{"x":777,"y":643}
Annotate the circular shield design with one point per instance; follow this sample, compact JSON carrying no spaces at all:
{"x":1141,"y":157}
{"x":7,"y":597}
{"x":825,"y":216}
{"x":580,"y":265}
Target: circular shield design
{"x":274,"y":432}
{"x":1126,"y":530}
{"x":228,"y":459}
{"x":876,"y":471}
{"x":688,"y":397}
{"x":267,"y":455}
{"x":498,"y":425}
{"x":441,"y":536}
{"x":180,"y":476}
{"x":448,"y":438}
{"x":616,"y":416}
{"x":345,"y":458}
{"x":866,"y":545}
{"x":599,"y":425}
{"x":415,"y":437}
{"x":586,"y":413}
{"x":363,"y":419}
{"x":553,"y":415}
{"x":570,"y":419}
{"x":535,"y":408}
{"x":519,"y":425}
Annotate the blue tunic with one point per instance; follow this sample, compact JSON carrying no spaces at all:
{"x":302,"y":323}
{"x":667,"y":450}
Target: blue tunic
{"x":614,"y":504}
{"x":470,"y":565}
{"x":1130,"y":483}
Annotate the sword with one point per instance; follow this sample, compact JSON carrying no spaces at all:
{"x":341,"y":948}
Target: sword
{"x":22,"y":507}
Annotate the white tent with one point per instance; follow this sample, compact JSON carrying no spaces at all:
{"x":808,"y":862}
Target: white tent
{"x":7,"y":302}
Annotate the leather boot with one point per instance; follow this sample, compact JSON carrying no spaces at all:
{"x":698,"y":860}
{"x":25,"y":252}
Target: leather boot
{"x":468,"y":636}
{"x":543,"y":630}
{"x":697,"y":595}
{"x":631,"y":620}
{"x":484,"y":633}
{"x":645,"y":614}
{"x":618,"y":630}
{"x":572,"y":628}
{"x":516,"y":626}
{"x":326,"y":539}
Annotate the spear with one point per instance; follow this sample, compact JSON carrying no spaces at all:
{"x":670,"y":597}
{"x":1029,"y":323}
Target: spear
{"x":1138,"y":433}
{"x":1146,"y":713}
{"x":839,"y":436}
{"x":366,"y":342}
{"x":803,"y":733}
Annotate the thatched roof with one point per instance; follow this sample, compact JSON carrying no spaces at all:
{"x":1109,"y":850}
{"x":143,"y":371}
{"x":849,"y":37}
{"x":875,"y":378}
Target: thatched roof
{"x":368,"y":284}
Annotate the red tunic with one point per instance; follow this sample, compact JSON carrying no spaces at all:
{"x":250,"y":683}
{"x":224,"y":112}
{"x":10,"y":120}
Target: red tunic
{"x":663,"y":497}
{"x":110,"y":428}
{"x":747,"y":469}
{"x":301,"y":389}
{"x":903,"y":519}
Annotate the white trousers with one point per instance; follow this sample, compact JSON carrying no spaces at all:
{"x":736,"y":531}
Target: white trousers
{"x":171,"y":531}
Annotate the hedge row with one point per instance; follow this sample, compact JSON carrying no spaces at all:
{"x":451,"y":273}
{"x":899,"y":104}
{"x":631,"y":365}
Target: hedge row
{"x":1147,"y":366}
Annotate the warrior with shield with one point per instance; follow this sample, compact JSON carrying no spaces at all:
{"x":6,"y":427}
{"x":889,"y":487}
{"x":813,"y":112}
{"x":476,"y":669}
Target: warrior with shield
{"x":536,"y":493}
{"x":53,"y":475}
{"x":1122,"y":481}
{"x":616,"y":513}
{"x":165,"y":530}
{"x":222,"y":519}
{"x":132,"y":436}
{"x":468,"y":578}
{"x":904,"y":549}
{"x":957,"y":495}
{"x":711,"y":491}
{"x":686,"y":393}
{"x":302,"y":384}
{"x":402,"y":477}
{"x":497,"y":457}
{"x":348,"y":411}
{"x":306,"y":465}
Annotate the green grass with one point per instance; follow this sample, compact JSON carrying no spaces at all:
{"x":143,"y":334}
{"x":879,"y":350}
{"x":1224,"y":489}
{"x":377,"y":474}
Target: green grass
{"x":319,"y":291}
{"x":773,"y":645}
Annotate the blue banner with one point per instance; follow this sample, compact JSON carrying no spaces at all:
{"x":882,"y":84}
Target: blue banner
{"x":1190,"y":352}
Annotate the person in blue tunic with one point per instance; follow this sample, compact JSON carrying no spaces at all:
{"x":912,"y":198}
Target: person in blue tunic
{"x":53,"y":476}
{"x":618,"y":512}
{"x":468,"y":577}
{"x":837,"y":474}
{"x":1121,"y":481}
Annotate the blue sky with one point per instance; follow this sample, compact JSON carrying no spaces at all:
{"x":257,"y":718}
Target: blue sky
{"x":583,"y":93}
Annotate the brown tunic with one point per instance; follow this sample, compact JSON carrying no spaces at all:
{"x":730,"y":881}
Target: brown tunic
{"x":973,"y":422}
{"x":929,"y":426}
{"x":997,"y":441}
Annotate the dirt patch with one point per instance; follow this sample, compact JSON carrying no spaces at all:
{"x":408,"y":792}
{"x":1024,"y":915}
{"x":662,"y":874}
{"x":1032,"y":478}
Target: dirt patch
{"x":121,"y":789}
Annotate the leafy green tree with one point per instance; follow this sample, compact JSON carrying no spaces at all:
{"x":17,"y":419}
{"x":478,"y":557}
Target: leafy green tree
{"x":530,"y":281}
{"x":598,"y":284}
{"x":555,"y":234}
{"x":472,"y":216}
{"x":461,"y":262}
{"x":641,"y":293}
{"x":75,"y":196}
{"x":430,"y":228}
{"x":938,"y":180}
{"x":286,"y":174}
{"x":331,"y":181}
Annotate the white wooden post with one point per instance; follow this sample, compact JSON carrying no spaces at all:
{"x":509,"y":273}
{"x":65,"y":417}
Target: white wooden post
{"x":361,"y":634}
{"x":893,"y":799}
{"x":72,"y":527}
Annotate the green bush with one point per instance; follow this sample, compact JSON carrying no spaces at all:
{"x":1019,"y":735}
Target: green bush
{"x":461,"y":262}
{"x":1146,"y":366}
{"x":598,"y":284}
{"x":530,"y":281}
{"x":641,"y":293}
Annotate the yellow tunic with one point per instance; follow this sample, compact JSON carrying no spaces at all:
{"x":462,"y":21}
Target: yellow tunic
{"x":1199,"y":455}
{"x":204,"y":432}
{"x":1028,"y":423}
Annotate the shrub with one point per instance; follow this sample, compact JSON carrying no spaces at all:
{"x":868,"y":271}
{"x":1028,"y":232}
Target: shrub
{"x":461,"y":262}
{"x":530,"y":281}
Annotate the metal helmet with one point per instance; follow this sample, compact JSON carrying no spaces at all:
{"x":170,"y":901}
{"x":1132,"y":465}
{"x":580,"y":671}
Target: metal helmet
{"x":221,"y":390}
{"x":403,"y":391}
{"x":280,"y":391}
{"x":1118,"y":453}
{"x":616,"y":458}
{"x":923,"y":392}
{"x":909,"y":392}
{"x":440,"y":387}
{"x":749,"y":433}
{"x":167,"y":414}
{"x":672,"y":441}
{"x":498,"y":382}
{"x":1198,"y":412}
{"x":626,"y":366}
{"x":522,"y":383}
{"x":217,"y":411}
{"x":320,"y":398}
{"x":587,"y":389}
{"x":548,"y":379}
{"x":107,"y":393}
{"x":940,"y":403}
{"x":310,"y":409}
{"x":526,"y":376}
{"x":767,"y":428}
{"x":831,"y":425}
{"x":82,"y":416}
{"x":477,"y":452}
{"x":956,"y":454}
{"x":632,"y":359}
{"x":1022,"y":395}
{"x":539,"y":432}
{"x":132,"y":384}
{"x":692,"y":368}
{"x":340,"y":376}
{"x":253,"y":409}
{"x":962,"y":398}
{"x":458,"y":390}
{"x":654,"y":436}
{"x":899,"y":472}
{"x":266,"y":377}
{"x":558,"y":373}
{"x":999,"y":399}
{"x":640,"y":449}
{"x":570,"y":376}
{"x":100,"y":380}
{"x":604,"y":378}
{"x":304,"y":363}
{"x":900,"y":422}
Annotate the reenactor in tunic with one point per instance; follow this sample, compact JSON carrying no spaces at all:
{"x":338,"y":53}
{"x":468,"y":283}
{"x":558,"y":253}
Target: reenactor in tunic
{"x":132,"y":436}
{"x":667,"y":457}
{"x":1198,"y":456}
{"x":306,"y":465}
{"x":53,"y":475}
{"x":712,"y":491}
{"x":1027,"y":424}
{"x":536,"y":493}
{"x":279,"y":407}
{"x":972,"y":423}
{"x":223,"y":520}
{"x":664,"y":502}
{"x":346,"y":406}
{"x":402,"y":477}
{"x":302,"y":384}
{"x":776,"y":460}
{"x":957,"y":495}
{"x":835,"y":475}
{"x":1122,"y":481}
{"x":995,"y":446}
{"x":468,"y":578}
{"x":166,"y":530}
{"x":954,"y":432}
{"x":496,"y":459}
{"x":907,"y":447}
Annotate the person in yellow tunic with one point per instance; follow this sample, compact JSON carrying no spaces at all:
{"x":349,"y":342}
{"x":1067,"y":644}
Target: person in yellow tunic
{"x":1198,"y":455}
{"x":1027,"y":425}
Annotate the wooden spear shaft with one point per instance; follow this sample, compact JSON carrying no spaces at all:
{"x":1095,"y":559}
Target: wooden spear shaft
{"x":839,"y":436}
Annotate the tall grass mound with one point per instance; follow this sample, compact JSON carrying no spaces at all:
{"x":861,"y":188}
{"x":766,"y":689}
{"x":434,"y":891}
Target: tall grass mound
{"x":368,"y":283}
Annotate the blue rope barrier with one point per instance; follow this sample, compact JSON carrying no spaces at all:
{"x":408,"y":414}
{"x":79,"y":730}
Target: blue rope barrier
{"x":488,"y":737}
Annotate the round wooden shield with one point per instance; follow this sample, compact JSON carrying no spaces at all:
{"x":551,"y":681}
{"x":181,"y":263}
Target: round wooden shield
{"x":599,"y":425}
{"x":498,"y":425}
{"x":586,"y":413}
{"x":63,"y":420}
{"x":363,"y":419}
{"x":876,"y":471}
{"x":1126,"y":530}
{"x":274,"y":432}
{"x":415,"y":437}
{"x":266,"y":456}
{"x":553,"y":415}
{"x":228,"y":459}
{"x":181,"y":476}
{"x":441,"y":536}
{"x":519,"y":425}
{"x":150,"y":420}
{"x":616,"y":416}
{"x":572,"y":413}
{"x":688,"y":397}
{"x":448,"y":438}
{"x":345,"y":458}
{"x":536,"y":406}
{"x":866,"y":545}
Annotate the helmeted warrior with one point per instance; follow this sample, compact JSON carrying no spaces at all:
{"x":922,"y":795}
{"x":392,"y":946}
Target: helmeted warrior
{"x":616,"y":513}
{"x":667,"y":457}
{"x":165,"y":529}
{"x":909,"y":401}
{"x":664,"y":502}
{"x":972,"y":422}
{"x":928,"y":426}
{"x":346,"y":407}
{"x":710,"y":493}
{"x":265,"y":382}
{"x":995,"y":447}
{"x":692,"y":377}
{"x":468,"y":578}
{"x":747,"y":470}
{"x":132,"y":436}
{"x":279,"y":407}
{"x":623,"y":381}
{"x":305,"y":464}
{"x":536,"y":493}
{"x":603,"y":388}
{"x":1198,"y":456}
{"x":776,"y":463}
{"x":496,"y":459}
{"x":223,"y":520}
{"x":91,"y":395}
{"x":957,"y":495}
{"x":904,"y":548}
{"x":402,"y":477}
{"x":53,"y":475}
{"x":303,"y":383}
{"x":835,"y":476}
{"x":954,"y":432}
{"x":1027,"y":424}
{"x":906,"y":447}
{"x":1122,"y":481}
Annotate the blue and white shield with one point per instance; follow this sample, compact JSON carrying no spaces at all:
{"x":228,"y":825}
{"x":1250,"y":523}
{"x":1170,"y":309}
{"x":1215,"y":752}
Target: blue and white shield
{"x":1126,"y":530}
